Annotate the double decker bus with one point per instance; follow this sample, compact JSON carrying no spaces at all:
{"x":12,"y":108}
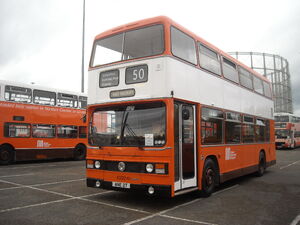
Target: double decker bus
{"x":169,"y":113}
{"x":41,"y":123}
{"x":287,"y":131}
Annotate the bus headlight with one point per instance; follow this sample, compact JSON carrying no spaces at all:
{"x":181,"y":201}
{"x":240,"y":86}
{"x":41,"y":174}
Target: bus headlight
{"x":151,"y":190}
{"x":97,"y":164}
{"x":121,"y":166}
{"x":149,"y":168}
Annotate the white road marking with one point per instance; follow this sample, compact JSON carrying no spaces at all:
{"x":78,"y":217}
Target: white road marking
{"x":50,"y":202}
{"x":283,"y":167}
{"x":43,"y":184}
{"x":187,"y":220}
{"x":18,"y":175}
{"x":26,"y":167}
{"x":296,"y":220}
{"x":175,"y":207}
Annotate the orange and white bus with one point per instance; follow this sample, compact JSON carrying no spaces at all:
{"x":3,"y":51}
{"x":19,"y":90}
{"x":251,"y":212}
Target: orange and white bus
{"x":40,"y":123}
{"x":287,"y":130}
{"x":169,"y":113}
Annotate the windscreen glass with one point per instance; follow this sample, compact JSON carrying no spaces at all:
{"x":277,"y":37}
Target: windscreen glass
{"x":134,"y":125}
{"x":133,"y":44}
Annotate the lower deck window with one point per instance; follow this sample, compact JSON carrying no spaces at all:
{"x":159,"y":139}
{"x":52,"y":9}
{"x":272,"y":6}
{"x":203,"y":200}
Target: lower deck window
{"x":17,"y":130}
{"x":64,"y":131}
{"x":43,"y":131}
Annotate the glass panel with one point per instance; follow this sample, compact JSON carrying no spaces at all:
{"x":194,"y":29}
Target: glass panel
{"x":64,"y":131}
{"x":135,"y":125}
{"x":18,"y":94}
{"x":232,"y":132}
{"x":82,"y":102}
{"x":188,"y":144}
{"x":67,"y":100}
{"x":248,"y":133}
{"x":108,"y":50}
{"x":44,"y":97}
{"x":176,"y":141}
{"x":245,"y":78}
{"x":183,"y":46}
{"x":17,"y":130}
{"x":258,"y":87}
{"x":229,"y":71}
{"x":209,"y":60}
{"x":144,"y":42}
{"x":83,"y":132}
{"x":129,"y":45}
{"x":43,"y":131}
{"x":212,"y":126}
{"x":267,"y":89}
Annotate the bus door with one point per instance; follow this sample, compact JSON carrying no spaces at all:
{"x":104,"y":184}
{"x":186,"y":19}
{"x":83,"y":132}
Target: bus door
{"x":185,"y":146}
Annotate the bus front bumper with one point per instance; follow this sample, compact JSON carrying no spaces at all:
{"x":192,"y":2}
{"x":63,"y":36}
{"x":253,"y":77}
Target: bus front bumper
{"x":149,"y":189}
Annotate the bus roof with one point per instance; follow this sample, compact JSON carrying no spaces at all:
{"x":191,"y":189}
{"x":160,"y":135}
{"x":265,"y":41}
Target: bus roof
{"x":169,"y":22}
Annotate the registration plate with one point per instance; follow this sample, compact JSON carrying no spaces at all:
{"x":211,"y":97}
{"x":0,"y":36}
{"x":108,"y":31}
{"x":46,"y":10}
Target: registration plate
{"x":121,"y":185}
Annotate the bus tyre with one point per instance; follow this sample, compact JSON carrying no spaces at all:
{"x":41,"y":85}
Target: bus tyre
{"x":261,"y":165}
{"x":209,"y":178}
{"x":6,"y":155}
{"x":79,"y":152}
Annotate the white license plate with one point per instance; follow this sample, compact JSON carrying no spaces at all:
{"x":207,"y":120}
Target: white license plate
{"x":121,"y":185}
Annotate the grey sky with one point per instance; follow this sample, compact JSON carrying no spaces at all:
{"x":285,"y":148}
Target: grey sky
{"x":40,"y":40}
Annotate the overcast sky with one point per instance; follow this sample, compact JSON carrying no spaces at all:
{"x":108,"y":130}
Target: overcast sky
{"x":40,"y":40}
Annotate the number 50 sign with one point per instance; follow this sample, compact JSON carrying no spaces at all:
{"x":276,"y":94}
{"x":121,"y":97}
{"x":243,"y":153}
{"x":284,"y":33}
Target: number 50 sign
{"x":136,"y":74}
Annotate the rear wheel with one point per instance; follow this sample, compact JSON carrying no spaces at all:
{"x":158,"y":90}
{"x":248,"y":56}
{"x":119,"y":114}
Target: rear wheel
{"x":261,"y":165}
{"x":79,"y":152}
{"x":6,"y":155}
{"x":209,"y":177}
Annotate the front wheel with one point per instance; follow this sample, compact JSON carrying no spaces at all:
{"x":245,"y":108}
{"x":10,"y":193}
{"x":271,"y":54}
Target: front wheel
{"x":209,"y":177}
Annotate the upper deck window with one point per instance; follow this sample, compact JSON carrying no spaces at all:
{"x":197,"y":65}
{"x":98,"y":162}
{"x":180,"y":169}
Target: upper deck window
{"x":209,"y":59}
{"x":82,"y":102}
{"x":44,"y":97}
{"x":258,"y":86}
{"x":245,"y":78}
{"x":183,"y":46}
{"x":229,"y":71}
{"x":67,"y":100}
{"x":17,"y":94}
{"x":132,"y":44}
{"x":267,"y":89}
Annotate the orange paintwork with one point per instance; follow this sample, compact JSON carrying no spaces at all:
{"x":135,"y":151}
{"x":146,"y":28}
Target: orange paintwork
{"x":39,"y":114}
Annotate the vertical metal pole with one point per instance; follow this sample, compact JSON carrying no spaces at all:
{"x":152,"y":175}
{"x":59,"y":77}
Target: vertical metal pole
{"x":82,"y":63}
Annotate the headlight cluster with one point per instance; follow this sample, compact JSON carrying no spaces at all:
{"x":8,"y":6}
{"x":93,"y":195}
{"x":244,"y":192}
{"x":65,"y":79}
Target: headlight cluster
{"x":158,"y":168}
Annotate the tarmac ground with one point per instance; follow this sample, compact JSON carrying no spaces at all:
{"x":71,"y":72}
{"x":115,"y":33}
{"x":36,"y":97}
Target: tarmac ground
{"x":55,"y":193}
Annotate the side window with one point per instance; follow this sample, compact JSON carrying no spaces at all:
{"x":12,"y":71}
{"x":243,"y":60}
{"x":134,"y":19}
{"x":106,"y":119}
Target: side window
{"x":248,"y":129}
{"x":17,"y":94}
{"x":209,"y":59}
{"x":44,"y":97}
{"x":64,"y":131}
{"x":183,"y":46}
{"x":233,"y":128}
{"x":43,"y":131}
{"x":67,"y":100}
{"x":267,"y":89}
{"x":267,"y":131}
{"x":245,"y":78}
{"x":211,"y":126}
{"x":82,"y":102}
{"x":17,"y":130}
{"x":82,"y":132}
{"x":230,"y":71}
{"x":258,"y":86}
{"x":260,"y":130}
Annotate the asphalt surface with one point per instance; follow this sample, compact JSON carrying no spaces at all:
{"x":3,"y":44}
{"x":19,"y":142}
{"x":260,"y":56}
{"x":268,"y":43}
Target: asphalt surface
{"x":55,"y":192}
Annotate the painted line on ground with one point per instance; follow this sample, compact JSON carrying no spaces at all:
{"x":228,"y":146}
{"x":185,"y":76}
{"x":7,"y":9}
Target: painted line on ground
{"x":283,"y":167}
{"x":50,"y":202}
{"x":43,"y":184}
{"x":187,"y":220}
{"x":73,"y":197}
{"x":178,"y":206}
{"x":296,"y":220}
{"x":17,"y":175}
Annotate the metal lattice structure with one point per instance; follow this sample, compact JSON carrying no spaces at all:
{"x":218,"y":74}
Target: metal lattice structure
{"x":276,"y":69}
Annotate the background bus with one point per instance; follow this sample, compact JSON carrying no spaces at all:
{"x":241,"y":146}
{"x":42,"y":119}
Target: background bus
{"x":170,"y":113}
{"x":40,"y":123}
{"x":287,"y":130}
